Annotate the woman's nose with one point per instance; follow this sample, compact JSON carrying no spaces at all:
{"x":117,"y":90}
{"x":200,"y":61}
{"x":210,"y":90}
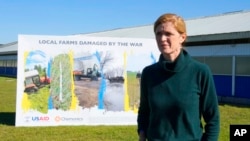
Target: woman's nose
{"x":163,"y":37}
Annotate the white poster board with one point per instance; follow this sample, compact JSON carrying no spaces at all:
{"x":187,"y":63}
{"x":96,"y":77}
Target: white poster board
{"x":79,"y":80}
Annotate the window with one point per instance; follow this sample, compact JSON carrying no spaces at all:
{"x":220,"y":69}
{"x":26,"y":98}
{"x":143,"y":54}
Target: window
{"x":1,"y":63}
{"x":242,"y":65}
{"x":218,"y":64}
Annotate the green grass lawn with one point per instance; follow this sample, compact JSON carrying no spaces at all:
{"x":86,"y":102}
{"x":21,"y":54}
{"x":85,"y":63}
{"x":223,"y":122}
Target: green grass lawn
{"x":8,"y":132}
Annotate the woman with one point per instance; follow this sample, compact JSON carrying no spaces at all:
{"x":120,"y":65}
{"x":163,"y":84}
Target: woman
{"x":177,"y":91}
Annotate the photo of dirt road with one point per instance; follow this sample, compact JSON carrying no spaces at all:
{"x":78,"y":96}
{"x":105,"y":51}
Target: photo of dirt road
{"x":87,"y":92}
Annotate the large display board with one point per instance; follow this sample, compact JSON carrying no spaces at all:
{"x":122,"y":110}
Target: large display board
{"x":79,"y":80}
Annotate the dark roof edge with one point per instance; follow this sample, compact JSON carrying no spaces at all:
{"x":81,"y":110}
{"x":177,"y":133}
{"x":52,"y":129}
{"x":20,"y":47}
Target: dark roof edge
{"x":222,"y":36}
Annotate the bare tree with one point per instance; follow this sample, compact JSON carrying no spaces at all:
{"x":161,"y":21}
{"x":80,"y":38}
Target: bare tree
{"x":105,"y":59}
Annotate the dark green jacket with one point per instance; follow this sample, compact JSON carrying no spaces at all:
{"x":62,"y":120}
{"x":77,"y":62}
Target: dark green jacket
{"x":174,"y":98}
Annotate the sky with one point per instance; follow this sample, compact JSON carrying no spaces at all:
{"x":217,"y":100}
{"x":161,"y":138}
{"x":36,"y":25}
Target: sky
{"x":70,"y":17}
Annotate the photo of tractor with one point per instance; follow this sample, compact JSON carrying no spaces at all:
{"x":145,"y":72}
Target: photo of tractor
{"x":33,"y":82}
{"x":86,"y":68}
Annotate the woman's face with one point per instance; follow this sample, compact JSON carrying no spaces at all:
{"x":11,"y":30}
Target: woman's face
{"x":169,"y":40}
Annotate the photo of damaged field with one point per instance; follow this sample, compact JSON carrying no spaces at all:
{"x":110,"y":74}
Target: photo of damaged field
{"x":88,"y":80}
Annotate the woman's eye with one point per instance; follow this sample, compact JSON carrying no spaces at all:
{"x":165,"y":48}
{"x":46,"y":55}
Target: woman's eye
{"x":167,"y":34}
{"x":163,"y":34}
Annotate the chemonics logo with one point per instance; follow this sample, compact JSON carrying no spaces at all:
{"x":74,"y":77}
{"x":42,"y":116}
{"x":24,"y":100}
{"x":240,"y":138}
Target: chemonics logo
{"x":68,"y":119}
{"x":57,"y":118}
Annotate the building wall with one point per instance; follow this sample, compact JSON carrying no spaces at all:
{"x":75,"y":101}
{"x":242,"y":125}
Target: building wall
{"x":8,"y":65}
{"x":230,"y":67}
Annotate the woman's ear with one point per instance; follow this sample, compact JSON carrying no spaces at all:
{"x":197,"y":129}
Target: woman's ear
{"x":183,"y":37}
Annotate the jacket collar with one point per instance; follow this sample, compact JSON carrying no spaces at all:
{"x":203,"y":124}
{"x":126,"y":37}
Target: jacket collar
{"x":176,"y":66}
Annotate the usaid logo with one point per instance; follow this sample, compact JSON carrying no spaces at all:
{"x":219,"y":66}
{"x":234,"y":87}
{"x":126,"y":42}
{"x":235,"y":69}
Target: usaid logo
{"x":42,"y":118}
{"x":239,"y":132}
